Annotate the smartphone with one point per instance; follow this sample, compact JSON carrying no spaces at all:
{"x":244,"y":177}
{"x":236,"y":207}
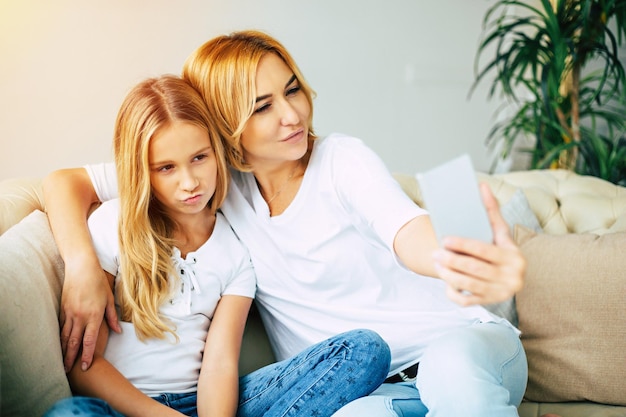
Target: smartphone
{"x":452,"y":198}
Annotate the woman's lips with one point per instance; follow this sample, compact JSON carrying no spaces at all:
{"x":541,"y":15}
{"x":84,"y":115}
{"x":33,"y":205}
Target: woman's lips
{"x":294,"y":137}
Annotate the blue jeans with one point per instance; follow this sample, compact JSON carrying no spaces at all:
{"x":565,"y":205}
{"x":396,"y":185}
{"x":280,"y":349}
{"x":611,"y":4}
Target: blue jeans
{"x":477,"y":371}
{"x":316,"y":382}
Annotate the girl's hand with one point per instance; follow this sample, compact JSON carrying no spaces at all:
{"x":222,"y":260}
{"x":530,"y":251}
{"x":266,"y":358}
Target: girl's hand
{"x":478,"y":272}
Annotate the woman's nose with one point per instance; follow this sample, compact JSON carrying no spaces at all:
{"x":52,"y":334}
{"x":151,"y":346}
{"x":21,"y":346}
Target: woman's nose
{"x":289,"y":115}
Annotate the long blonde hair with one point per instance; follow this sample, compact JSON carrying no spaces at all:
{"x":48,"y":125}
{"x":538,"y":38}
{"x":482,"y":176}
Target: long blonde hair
{"x":145,"y":231}
{"x":223,"y":70}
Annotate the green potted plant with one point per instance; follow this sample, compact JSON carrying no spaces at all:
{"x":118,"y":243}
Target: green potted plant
{"x":557,"y":67}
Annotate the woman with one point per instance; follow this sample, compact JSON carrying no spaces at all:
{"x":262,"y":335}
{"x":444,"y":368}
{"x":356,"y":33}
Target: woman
{"x":337,"y":245}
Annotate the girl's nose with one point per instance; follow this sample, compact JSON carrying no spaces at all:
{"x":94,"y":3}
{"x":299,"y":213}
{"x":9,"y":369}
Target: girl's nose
{"x":188,"y":182}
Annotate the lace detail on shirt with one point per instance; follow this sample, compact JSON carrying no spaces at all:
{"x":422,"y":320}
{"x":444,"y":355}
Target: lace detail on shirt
{"x":180,"y":303}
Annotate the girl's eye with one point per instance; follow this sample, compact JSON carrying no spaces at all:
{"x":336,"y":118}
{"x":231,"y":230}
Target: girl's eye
{"x":165,"y":168}
{"x":200,"y":157}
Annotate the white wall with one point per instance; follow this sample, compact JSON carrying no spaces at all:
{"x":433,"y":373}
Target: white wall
{"x":395,"y":73}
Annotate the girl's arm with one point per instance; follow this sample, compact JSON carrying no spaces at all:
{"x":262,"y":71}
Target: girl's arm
{"x":476,"y":272}
{"x":86,"y":297}
{"x":218,"y":386}
{"x":102,"y":380}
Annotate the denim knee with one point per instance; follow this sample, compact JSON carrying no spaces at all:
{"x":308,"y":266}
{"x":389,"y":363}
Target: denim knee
{"x":370,"y":352}
{"x":480,"y":370}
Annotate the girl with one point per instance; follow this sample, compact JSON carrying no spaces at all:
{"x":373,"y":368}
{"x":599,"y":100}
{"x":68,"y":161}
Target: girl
{"x":184,"y":284}
{"x":336,"y":244}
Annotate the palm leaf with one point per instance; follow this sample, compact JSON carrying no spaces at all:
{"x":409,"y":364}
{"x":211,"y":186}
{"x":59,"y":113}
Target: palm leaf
{"x":535,"y":55}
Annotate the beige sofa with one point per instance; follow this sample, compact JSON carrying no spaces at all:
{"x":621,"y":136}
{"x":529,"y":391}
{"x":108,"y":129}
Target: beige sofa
{"x":571,"y":311}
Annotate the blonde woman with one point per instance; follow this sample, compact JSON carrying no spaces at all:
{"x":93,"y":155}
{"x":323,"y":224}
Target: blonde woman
{"x":184,"y":283}
{"x":336,"y":244}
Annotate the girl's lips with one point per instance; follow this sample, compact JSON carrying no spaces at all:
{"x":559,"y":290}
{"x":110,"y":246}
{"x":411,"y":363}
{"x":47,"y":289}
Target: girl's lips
{"x":193,"y":200}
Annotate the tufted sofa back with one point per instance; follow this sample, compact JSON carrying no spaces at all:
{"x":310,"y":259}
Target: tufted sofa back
{"x":563,"y":202}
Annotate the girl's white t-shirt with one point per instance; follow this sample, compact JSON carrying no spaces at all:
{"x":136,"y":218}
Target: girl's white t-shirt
{"x":221,"y":266}
{"x":327,"y":265}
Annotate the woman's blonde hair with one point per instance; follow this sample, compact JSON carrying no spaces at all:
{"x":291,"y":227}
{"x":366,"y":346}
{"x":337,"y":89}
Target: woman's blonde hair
{"x":145,"y":231}
{"x":223,"y":70}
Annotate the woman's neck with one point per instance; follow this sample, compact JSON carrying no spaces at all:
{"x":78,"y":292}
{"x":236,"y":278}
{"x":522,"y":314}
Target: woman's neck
{"x":278,"y":186}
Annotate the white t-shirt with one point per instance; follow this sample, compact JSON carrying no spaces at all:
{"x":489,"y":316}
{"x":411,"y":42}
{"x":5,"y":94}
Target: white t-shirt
{"x":221,"y":266}
{"x":327,"y":265}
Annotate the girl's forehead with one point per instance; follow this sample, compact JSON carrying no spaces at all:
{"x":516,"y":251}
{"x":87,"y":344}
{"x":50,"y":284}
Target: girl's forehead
{"x":177,"y":139}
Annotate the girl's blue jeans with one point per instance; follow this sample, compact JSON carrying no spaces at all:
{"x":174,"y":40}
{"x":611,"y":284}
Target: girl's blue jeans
{"x":317,"y":382}
{"x":477,"y":371}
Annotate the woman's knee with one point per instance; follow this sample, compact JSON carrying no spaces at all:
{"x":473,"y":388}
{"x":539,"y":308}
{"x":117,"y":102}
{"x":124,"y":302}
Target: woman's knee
{"x":484,"y":364}
{"x":487,"y":346}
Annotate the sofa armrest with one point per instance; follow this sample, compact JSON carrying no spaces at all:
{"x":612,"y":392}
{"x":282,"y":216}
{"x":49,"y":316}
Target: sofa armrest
{"x":31,"y":278}
{"x":18,"y":198}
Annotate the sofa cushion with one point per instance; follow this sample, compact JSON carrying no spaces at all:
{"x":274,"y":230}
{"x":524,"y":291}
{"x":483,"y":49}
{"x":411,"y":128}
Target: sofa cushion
{"x":517,"y":211}
{"x":571,"y":314}
{"x":31,"y":277}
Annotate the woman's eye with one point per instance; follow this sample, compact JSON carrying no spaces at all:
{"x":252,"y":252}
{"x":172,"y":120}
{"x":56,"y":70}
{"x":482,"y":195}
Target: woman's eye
{"x":165,"y":168}
{"x":262,"y":109}
{"x":200,"y":157}
{"x":293,"y":90}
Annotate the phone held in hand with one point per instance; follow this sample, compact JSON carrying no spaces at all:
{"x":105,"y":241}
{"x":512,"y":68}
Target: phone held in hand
{"x":452,"y":198}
